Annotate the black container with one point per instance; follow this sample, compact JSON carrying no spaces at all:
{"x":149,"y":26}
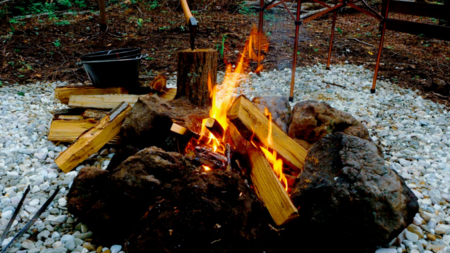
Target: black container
{"x":115,"y":54}
{"x":112,"y":72}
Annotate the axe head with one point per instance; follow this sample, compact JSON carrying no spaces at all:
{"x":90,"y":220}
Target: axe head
{"x":193,"y":26}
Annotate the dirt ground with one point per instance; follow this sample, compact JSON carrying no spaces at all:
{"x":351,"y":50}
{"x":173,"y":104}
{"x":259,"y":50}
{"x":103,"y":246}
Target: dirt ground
{"x":44,"y":49}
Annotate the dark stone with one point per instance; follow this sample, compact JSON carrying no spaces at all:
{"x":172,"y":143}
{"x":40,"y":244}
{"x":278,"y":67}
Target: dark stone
{"x":87,"y":187}
{"x":207,"y":212}
{"x":121,"y":155}
{"x":149,"y":122}
{"x":312,"y":120}
{"x":279,"y":107}
{"x":347,"y":193}
{"x":111,"y":204}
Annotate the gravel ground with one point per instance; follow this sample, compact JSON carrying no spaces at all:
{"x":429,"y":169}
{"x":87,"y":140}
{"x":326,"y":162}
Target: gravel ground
{"x":413,"y":133}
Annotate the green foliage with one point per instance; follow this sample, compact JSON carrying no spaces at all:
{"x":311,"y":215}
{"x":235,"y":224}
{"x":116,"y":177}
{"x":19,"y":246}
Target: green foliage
{"x":222,"y":49}
{"x":339,"y":30}
{"x":21,"y":94}
{"x":56,"y":43}
{"x":62,"y":22}
{"x":244,"y":9}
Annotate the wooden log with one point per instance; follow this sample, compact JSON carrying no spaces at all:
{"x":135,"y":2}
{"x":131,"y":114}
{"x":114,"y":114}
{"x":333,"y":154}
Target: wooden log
{"x":102,"y":9}
{"x":94,"y":114}
{"x":194,"y":69}
{"x":68,"y":111}
{"x":94,"y":139}
{"x":159,"y":83}
{"x":168,"y":94}
{"x":266,"y":183}
{"x":214,"y":127}
{"x":64,"y":93}
{"x":248,"y":119}
{"x":101,"y":101}
{"x":71,"y":117}
{"x":70,"y":130}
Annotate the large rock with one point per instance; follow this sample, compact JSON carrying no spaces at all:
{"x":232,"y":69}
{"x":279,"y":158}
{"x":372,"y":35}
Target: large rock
{"x":279,"y":107}
{"x":88,"y":186}
{"x":349,"y":198}
{"x":149,"y":122}
{"x":206,"y":212}
{"x":112,"y":203}
{"x":312,"y":120}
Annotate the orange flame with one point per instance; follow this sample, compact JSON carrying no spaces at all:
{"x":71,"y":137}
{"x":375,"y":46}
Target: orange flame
{"x":277,"y":164}
{"x":232,"y":78}
{"x":206,"y":168}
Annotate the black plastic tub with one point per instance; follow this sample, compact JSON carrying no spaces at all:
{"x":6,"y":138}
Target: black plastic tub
{"x":111,"y":73}
{"x":115,"y":54}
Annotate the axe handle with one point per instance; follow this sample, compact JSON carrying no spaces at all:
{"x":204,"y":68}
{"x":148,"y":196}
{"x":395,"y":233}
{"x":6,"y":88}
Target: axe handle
{"x":186,"y":10}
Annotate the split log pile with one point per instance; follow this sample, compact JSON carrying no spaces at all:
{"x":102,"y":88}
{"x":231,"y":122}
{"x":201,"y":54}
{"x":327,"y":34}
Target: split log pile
{"x":94,"y":117}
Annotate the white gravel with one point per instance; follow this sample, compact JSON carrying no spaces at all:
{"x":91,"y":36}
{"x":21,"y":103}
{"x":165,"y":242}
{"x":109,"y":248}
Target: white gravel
{"x":413,"y":133}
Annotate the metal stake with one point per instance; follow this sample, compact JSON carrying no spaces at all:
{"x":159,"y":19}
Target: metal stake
{"x":260,"y":31}
{"x":294,"y":58}
{"x":374,"y":83}
{"x":331,"y":39}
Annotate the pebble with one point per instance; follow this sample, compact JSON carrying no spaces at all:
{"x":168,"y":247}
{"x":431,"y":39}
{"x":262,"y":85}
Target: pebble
{"x":413,"y":133}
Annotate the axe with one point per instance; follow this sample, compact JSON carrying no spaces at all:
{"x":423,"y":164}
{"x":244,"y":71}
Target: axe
{"x":190,"y":21}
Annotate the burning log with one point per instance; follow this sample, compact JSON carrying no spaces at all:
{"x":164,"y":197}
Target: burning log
{"x":64,"y":93}
{"x":101,"y":101}
{"x":214,"y":127}
{"x":266,"y":183}
{"x":93,"y":140}
{"x":195,"y":67}
{"x":70,"y":130}
{"x":252,"y":122}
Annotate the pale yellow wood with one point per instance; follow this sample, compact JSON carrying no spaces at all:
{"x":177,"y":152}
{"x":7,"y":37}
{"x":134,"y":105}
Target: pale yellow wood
{"x":168,"y":94}
{"x":248,"y":119}
{"x":270,"y":190}
{"x":64,"y":93}
{"x":91,"y":141}
{"x":101,"y":101}
{"x":70,"y":117}
{"x":70,"y":130}
{"x":178,"y":129}
{"x":266,"y":183}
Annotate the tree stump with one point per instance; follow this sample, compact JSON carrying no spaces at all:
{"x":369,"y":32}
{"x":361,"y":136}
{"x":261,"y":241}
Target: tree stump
{"x":194,"y":67}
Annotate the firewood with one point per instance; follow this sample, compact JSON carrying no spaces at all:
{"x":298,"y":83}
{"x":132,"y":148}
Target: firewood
{"x":168,"y":94}
{"x":266,"y":183}
{"x":179,"y":129}
{"x":195,"y":67}
{"x":67,"y":111}
{"x":214,"y":127}
{"x":70,"y":117}
{"x":70,"y":130}
{"x":64,"y":93}
{"x":101,"y":101}
{"x":93,"y":140}
{"x":159,"y":83}
{"x":249,"y":119}
{"x":94,"y":113}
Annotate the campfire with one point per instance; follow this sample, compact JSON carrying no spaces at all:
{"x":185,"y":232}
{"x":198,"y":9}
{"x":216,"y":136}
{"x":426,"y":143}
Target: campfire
{"x":235,"y":172}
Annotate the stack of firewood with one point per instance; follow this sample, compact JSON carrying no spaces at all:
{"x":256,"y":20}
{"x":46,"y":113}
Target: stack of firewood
{"x":94,"y":118}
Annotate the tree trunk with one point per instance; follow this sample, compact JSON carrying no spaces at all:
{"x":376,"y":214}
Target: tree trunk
{"x":194,"y":67}
{"x":103,"y":25}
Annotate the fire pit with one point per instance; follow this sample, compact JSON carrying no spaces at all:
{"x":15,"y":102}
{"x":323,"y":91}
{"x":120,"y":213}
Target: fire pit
{"x":226,"y":178}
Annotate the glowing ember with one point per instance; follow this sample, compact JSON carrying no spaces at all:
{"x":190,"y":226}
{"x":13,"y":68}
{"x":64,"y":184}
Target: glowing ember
{"x":206,"y":168}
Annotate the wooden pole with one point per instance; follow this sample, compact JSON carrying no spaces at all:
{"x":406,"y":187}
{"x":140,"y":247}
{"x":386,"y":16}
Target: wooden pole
{"x":380,"y":48}
{"x":103,"y":25}
{"x":195,"y":67}
{"x":331,"y":39}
